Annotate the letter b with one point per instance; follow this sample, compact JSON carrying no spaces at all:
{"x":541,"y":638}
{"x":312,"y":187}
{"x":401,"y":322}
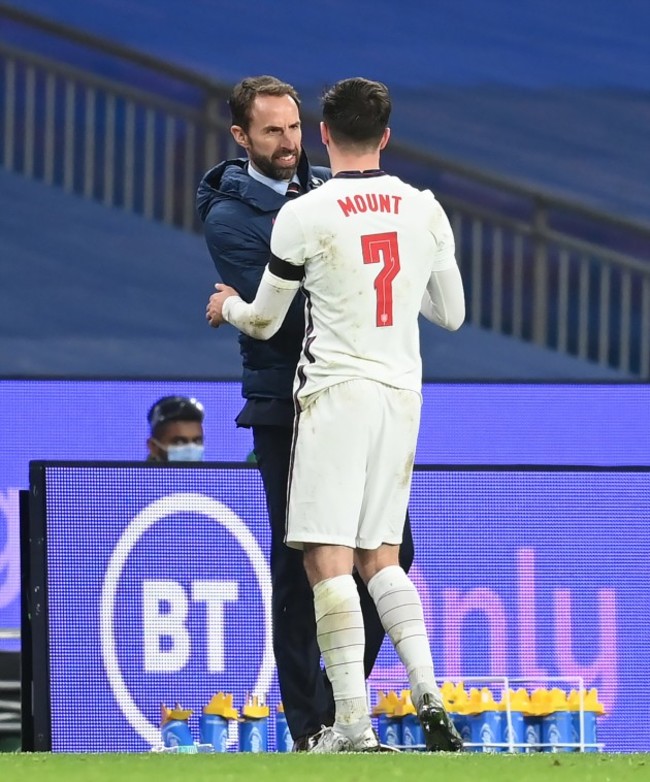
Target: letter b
{"x":159,"y":623}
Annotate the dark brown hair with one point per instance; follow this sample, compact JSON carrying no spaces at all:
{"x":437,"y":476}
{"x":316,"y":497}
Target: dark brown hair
{"x":244,"y":93}
{"x":356,"y":111}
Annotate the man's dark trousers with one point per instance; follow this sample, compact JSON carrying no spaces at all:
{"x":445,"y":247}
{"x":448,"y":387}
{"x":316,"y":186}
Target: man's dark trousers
{"x":305,"y":690}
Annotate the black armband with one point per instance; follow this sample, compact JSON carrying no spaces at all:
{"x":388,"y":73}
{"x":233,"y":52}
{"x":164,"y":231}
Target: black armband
{"x":285,"y":270}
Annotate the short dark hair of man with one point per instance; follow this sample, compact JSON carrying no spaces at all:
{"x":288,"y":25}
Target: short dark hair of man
{"x":356,"y":112}
{"x":174,"y":408}
{"x":244,"y":93}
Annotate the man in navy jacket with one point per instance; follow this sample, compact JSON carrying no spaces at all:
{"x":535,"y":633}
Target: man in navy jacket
{"x":237,"y":202}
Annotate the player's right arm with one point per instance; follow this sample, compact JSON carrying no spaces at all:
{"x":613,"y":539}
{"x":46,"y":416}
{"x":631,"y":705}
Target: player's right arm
{"x":281,"y":279}
{"x":239,"y":249}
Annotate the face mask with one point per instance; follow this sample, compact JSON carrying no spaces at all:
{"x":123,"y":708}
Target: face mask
{"x":188,"y":452}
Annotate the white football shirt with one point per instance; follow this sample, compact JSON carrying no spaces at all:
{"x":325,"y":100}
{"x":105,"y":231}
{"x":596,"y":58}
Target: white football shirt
{"x":369,"y":244}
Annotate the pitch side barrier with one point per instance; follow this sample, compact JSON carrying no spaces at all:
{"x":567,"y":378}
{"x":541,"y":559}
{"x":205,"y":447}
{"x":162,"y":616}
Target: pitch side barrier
{"x":149,"y":584}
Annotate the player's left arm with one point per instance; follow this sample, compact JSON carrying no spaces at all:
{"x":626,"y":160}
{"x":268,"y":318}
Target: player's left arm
{"x":282,"y":277}
{"x":443,"y":302}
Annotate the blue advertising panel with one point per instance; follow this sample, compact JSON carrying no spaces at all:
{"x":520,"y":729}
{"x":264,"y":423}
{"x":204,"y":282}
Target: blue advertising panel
{"x":462,"y":423}
{"x":158,"y":590}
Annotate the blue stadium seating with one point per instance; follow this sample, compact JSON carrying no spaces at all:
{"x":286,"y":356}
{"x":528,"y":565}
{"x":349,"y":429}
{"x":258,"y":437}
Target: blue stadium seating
{"x":554,"y":93}
{"x":583,"y":144}
{"x":91,"y":291}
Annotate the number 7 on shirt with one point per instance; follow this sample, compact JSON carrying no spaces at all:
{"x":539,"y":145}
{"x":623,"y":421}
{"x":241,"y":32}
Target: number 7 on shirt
{"x":376,"y":248}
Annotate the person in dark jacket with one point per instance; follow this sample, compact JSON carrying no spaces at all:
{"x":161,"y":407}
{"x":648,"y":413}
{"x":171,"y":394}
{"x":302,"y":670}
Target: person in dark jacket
{"x":237,"y":201}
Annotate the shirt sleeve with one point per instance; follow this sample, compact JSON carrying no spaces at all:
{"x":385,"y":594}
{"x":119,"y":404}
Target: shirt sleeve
{"x":288,"y":238}
{"x":262,"y":317}
{"x":443,"y":302}
{"x":440,"y":228}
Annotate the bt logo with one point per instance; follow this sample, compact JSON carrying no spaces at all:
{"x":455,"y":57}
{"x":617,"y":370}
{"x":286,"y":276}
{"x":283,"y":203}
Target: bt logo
{"x":169,"y":606}
{"x":166,"y":608}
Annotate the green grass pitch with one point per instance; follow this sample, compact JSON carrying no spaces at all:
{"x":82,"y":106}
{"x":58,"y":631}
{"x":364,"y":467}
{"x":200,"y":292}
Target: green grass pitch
{"x":42,"y":767}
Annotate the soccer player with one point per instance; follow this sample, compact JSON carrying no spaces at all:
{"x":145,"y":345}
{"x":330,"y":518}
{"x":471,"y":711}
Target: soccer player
{"x":238,"y":201}
{"x":371,"y":253}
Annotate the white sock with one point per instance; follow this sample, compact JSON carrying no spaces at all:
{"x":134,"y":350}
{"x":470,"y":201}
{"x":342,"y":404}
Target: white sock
{"x":400,"y":610}
{"x":341,"y":638}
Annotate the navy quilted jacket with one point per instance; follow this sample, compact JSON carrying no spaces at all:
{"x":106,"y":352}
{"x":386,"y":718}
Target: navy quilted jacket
{"x":238,"y":213}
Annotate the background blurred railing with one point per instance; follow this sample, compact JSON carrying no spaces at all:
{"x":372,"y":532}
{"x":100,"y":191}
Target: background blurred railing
{"x":108,"y":123}
{"x":530,"y":280}
{"x":133,"y":132}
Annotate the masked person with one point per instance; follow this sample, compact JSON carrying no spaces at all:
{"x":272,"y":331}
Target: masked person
{"x":176,"y":430}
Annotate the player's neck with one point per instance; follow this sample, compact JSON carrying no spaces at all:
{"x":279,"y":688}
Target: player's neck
{"x":339,"y":161}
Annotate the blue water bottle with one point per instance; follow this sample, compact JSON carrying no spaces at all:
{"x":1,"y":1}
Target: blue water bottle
{"x":589,"y":734}
{"x":514,"y":730}
{"x":533,"y":726}
{"x":389,"y":725}
{"x":175,"y":730}
{"x":214,"y":731}
{"x":283,"y":738}
{"x":412,"y":733}
{"x":389,"y":729}
{"x":214,"y":721}
{"x":516,"y":708}
{"x":557,"y":731}
{"x":254,"y":729}
{"x":485,"y":731}
{"x":557,"y":727}
{"x":585,"y":734}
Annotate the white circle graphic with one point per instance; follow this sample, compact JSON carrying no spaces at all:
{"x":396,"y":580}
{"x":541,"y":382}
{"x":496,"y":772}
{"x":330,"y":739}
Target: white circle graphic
{"x":153,"y":513}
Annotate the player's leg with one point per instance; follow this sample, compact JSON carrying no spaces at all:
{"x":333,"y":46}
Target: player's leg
{"x":398,"y":604}
{"x":306,"y":693}
{"x":341,"y":639}
{"x":400,"y":610}
{"x":375,"y":632}
{"x":325,"y":493}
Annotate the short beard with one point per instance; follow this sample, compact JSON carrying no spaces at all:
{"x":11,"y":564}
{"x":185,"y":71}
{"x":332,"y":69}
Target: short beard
{"x":265,"y":166}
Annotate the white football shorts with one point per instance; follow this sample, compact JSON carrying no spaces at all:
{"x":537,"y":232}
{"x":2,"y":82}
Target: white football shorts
{"x":351,"y":465}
